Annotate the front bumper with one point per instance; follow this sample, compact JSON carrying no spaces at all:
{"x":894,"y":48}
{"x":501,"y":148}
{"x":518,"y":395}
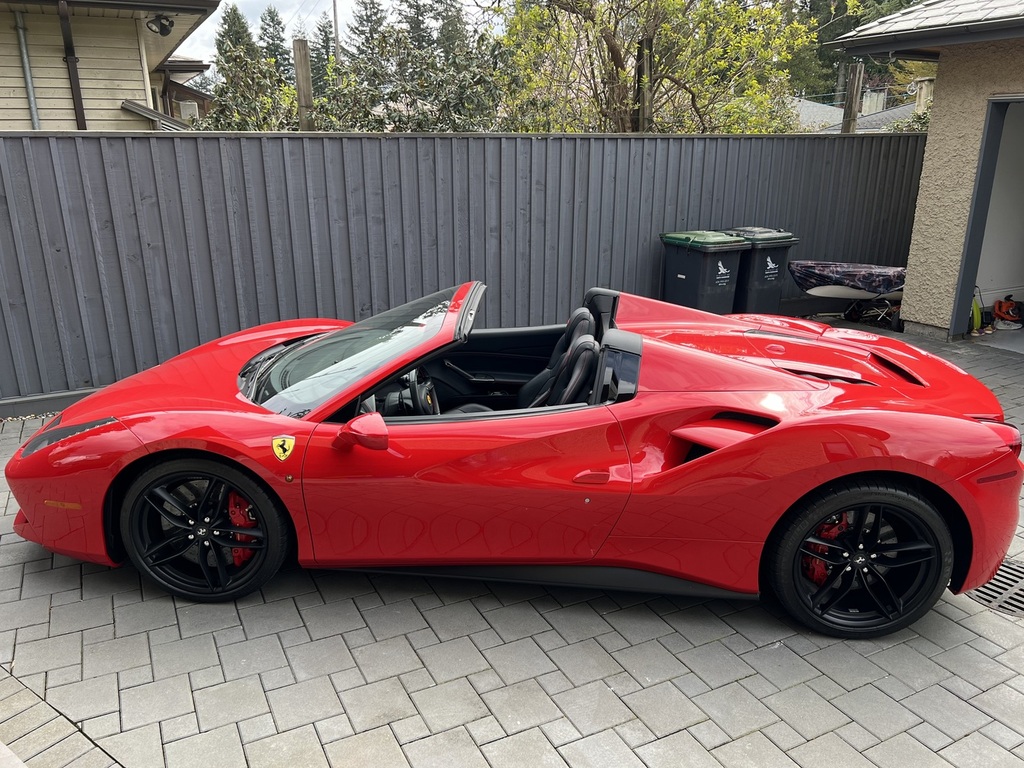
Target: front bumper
{"x":62,"y":490}
{"x":65,"y":535}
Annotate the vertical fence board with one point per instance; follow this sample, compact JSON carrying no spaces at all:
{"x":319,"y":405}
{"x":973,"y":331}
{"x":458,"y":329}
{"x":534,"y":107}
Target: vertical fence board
{"x":22,"y":325}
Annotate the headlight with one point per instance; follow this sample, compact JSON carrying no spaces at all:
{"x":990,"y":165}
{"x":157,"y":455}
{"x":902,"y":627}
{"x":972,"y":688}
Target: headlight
{"x":55,"y":434}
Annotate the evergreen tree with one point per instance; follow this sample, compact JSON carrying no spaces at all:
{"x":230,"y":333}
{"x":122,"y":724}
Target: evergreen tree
{"x":272,"y":43}
{"x":234,"y":34}
{"x":205,"y":82}
{"x":415,"y":16}
{"x":321,"y":52}
{"x":416,"y":90}
{"x":452,"y":32}
{"x":250,"y":96}
{"x":363,"y":46}
{"x":363,"y":33}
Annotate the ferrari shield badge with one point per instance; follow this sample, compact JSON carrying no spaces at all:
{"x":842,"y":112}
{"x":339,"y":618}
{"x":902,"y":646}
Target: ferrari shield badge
{"x":283,"y":445}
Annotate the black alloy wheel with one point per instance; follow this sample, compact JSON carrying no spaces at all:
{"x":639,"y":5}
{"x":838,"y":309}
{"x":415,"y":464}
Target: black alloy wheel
{"x":862,"y":560}
{"x":203,"y":530}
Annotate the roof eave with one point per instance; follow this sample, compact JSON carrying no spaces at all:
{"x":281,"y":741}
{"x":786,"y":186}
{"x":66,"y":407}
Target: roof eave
{"x":916,"y":44}
{"x":205,"y":7}
{"x":891,"y":52}
{"x":176,"y":64}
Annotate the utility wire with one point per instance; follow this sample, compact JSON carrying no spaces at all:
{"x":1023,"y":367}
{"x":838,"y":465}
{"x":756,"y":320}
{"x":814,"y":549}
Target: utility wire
{"x":298,"y":10}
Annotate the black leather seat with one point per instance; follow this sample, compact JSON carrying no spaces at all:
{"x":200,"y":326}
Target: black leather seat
{"x":536,"y":392}
{"x":575,"y":379}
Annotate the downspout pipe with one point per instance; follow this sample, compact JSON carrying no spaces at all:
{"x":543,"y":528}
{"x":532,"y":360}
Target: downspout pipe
{"x":26,"y":68}
{"x":72,"y":62}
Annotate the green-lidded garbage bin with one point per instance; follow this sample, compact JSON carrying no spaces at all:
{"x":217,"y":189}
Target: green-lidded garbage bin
{"x":701,"y":269}
{"x":762,"y":268}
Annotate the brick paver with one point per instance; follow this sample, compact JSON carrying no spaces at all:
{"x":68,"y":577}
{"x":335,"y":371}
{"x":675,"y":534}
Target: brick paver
{"x":342,"y":669}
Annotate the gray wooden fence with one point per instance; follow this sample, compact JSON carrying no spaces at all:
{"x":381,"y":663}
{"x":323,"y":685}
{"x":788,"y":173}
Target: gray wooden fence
{"x":118,"y":251}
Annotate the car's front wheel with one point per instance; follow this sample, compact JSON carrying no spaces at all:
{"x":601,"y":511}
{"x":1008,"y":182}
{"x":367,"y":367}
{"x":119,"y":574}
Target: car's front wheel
{"x":861,"y":560}
{"x":203,"y":530}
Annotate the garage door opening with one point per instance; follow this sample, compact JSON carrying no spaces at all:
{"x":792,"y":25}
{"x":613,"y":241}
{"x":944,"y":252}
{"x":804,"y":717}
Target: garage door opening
{"x":994,"y":247}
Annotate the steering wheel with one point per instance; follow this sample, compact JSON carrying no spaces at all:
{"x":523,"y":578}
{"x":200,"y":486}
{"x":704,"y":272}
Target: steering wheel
{"x":422,"y":392}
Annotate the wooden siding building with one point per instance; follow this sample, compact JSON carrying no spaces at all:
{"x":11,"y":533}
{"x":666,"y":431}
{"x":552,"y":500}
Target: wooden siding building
{"x":74,"y":63}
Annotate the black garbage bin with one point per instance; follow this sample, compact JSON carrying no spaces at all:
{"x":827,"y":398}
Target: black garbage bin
{"x":762,"y":268}
{"x":701,"y":269}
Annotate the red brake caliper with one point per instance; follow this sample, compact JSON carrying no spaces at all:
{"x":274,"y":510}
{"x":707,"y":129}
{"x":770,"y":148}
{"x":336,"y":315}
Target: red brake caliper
{"x":816,"y":569}
{"x":238,"y":511}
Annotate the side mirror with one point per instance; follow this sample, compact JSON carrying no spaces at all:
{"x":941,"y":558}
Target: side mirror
{"x":367,"y":430}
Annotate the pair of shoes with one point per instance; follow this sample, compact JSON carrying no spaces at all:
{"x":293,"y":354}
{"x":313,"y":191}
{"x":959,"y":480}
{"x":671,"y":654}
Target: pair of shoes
{"x":988,"y":329}
{"x":1007,"y":325}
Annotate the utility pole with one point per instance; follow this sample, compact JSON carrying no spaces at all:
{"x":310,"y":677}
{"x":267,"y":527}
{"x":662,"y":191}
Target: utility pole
{"x":303,"y":82}
{"x":851,"y":107}
{"x":925,"y":89}
{"x":337,"y":37}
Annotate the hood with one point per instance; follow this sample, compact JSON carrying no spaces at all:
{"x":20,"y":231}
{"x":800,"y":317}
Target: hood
{"x":204,"y":378}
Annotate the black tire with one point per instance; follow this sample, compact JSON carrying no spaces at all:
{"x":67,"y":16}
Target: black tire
{"x":861,"y":560}
{"x":177,"y":528}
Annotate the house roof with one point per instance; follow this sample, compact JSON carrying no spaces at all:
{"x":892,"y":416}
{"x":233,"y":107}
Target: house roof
{"x":161,"y":122}
{"x":876,"y":121}
{"x":186,"y":16}
{"x":917,"y":32}
{"x":812,"y":115}
{"x":181,"y":70}
{"x":119,"y":8}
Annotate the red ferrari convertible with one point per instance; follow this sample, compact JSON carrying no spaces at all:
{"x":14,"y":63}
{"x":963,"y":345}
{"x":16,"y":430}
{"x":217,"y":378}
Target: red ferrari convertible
{"x":641,"y":446}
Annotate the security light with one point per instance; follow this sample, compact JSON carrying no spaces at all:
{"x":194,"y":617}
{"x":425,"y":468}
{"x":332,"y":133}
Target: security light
{"x":160,"y":25}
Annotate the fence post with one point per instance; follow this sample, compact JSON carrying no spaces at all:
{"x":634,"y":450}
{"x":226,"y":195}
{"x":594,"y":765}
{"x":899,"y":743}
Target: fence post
{"x":851,"y":107}
{"x":303,"y":83}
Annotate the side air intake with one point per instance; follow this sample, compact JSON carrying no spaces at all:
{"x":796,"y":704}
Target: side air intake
{"x":720,"y":431}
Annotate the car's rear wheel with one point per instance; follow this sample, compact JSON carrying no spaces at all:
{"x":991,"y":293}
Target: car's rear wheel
{"x":203,"y":530}
{"x":861,"y":560}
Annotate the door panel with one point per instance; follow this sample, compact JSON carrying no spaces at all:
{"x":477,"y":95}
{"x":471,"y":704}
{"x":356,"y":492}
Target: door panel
{"x":699,"y":471}
{"x":492,"y":365}
{"x":527,"y":486}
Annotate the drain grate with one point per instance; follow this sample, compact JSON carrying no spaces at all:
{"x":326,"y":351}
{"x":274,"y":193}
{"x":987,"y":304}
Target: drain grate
{"x":1005,"y":592}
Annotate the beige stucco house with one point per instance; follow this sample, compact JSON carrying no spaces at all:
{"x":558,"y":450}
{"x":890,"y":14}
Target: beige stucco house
{"x":94,"y":64}
{"x":969,"y":225}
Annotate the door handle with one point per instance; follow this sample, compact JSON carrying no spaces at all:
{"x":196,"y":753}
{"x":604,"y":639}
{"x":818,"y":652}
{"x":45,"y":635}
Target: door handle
{"x":473,"y":378}
{"x":593,"y":477}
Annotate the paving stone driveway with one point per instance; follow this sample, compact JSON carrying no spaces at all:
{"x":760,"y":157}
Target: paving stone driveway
{"x":344,"y":669}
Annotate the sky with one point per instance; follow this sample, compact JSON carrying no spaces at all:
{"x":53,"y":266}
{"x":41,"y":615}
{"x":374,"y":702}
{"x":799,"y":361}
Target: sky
{"x":200,"y":45}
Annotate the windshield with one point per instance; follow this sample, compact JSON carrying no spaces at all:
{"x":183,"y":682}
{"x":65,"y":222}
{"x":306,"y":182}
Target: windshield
{"x":306,"y":376}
